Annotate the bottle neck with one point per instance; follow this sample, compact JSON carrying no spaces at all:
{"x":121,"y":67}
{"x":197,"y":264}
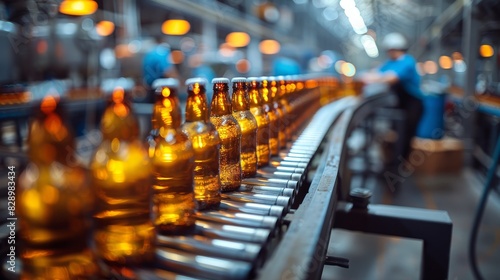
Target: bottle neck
{"x":50,"y":140}
{"x":266,"y":96}
{"x":240,"y":100}
{"x":166,"y":112}
{"x":254,"y":96}
{"x":119,"y":122}
{"x":220,"y":103}
{"x":196,"y":107}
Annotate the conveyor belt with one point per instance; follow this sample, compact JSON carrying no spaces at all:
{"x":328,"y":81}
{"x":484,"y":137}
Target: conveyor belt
{"x":256,"y":233}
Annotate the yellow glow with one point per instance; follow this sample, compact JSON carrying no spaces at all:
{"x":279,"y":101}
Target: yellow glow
{"x":238,"y":39}
{"x":486,"y":51}
{"x":165,"y":92}
{"x":430,"y":67}
{"x":348,"y":69}
{"x":116,"y":169}
{"x":78,"y":7}
{"x":445,"y":62}
{"x":269,"y":46}
{"x":105,"y":28}
{"x":338,"y":66}
{"x":175,"y":27}
{"x":120,"y":110}
{"x":50,"y":194}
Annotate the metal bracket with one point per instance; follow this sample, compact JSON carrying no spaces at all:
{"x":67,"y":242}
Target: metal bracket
{"x":434,"y":227}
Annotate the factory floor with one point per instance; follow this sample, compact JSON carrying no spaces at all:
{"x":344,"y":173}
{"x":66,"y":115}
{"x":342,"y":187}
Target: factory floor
{"x":381,"y":257}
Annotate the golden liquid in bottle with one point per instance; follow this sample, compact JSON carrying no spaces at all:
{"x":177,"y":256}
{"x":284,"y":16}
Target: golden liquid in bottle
{"x":172,"y":157}
{"x":273,"y":117}
{"x":256,"y":108}
{"x":230,"y":135}
{"x":286,"y":112}
{"x":206,"y":144}
{"x":53,"y":203}
{"x":121,"y":176}
{"x":279,"y":113}
{"x":248,"y":125}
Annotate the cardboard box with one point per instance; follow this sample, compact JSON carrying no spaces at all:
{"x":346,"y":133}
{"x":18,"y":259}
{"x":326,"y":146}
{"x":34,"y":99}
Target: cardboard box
{"x":435,"y":157}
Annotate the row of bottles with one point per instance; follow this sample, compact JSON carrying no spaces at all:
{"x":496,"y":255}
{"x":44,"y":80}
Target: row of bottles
{"x":136,"y":189}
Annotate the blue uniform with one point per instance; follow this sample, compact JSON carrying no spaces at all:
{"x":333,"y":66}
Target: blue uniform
{"x":156,"y":63}
{"x":405,"y":69}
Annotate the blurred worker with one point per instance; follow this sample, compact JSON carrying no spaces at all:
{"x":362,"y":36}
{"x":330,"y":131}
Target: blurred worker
{"x":400,"y":72}
{"x":156,"y":64}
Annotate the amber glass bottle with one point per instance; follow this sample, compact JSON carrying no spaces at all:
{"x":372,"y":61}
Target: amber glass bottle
{"x":273,"y":91}
{"x":256,"y":107}
{"x":285,"y":108}
{"x":273,"y":115}
{"x":54,"y":202}
{"x":121,"y":177}
{"x":206,"y":145}
{"x":172,"y":157}
{"x":241,"y":112}
{"x":230,"y":134}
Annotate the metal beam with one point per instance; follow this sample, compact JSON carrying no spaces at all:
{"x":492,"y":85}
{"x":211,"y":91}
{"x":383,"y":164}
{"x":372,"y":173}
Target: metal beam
{"x":226,"y":16}
{"x":434,"y":30}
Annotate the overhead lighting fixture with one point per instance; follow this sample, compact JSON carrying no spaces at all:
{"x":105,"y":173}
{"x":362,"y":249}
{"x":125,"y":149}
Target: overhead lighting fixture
{"x":78,"y":7}
{"x":486,"y":51}
{"x":105,"y":28}
{"x":175,"y":27}
{"x":238,"y":39}
{"x":445,"y":62}
{"x":269,"y":47}
{"x":369,"y":45}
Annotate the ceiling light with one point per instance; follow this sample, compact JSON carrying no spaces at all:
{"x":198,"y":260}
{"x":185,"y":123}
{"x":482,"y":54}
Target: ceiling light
{"x":269,"y":46}
{"x":175,"y":27}
{"x":486,"y":51}
{"x":238,"y":39}
{"x":78,"y":7}
{"x":105,"y":28}
{"x":445,"y":62}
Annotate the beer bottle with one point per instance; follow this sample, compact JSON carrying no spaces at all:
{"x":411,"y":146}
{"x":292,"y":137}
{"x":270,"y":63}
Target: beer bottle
{"x":229,"y":133}
{"x":285,"y":108}
{"x":273,"y":116}
{"x":273,"y":91}
{"x":121,"y":178}
{"x":256,"y":107}
{"x":172,"y":157}
{"x":248,"y":125}
{"x":54,"y":202}
{"x":206,"y":145}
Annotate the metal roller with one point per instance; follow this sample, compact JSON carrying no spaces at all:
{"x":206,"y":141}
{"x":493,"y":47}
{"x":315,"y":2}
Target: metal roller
{"x":201,"y":266}
{"x":232,"y":232}
{"x":200,"y":245}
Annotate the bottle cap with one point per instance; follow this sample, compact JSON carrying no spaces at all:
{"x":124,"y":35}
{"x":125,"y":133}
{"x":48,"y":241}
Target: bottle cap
{"x":220,"y":81}
{"x":199,"y":80}
{"x":166,"y":82}
{"x":264,"y":78}
{"x":239,"y":80}
{"x":253,"y":79}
